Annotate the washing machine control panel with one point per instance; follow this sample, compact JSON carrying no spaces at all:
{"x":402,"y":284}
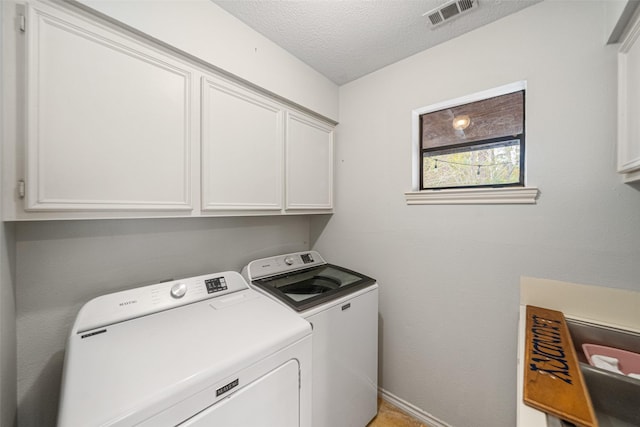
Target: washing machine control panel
{"x":266,"y":267}
{"x":120,"y":306}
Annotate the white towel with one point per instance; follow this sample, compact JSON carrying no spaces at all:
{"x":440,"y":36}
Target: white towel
{"x":605,"y":362}
{"x":610,"y":364}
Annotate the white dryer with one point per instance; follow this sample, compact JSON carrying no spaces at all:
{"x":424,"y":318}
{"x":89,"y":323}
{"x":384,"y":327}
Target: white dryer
{"x":342,"y":307}
{"x":201,"y":351}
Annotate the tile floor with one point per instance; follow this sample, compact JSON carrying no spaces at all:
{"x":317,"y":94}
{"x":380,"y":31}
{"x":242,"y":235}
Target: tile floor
{"x":390,"y":416}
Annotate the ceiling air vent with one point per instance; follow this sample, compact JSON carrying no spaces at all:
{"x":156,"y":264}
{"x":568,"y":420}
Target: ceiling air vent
{"x":450,"y":10}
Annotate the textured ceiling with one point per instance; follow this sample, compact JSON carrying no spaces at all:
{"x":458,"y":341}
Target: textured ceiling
{"x":346,"y":39}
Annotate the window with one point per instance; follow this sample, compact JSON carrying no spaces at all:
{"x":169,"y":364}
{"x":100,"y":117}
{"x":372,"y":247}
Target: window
{"x":473,"y":144}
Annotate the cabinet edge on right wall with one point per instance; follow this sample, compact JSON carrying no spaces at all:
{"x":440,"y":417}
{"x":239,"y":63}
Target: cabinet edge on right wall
{"x":629,"y":103}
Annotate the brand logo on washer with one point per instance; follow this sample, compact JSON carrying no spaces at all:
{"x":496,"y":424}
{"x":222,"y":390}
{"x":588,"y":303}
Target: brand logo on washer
{"x":124,"y":303}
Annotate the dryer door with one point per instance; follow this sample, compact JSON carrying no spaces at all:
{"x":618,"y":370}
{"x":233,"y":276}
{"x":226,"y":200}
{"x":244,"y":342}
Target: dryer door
{"x":271,"y":400}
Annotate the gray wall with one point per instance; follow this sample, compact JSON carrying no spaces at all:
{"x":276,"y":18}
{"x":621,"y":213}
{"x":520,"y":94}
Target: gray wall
{"x":7,"y":327}
{"x":62,"y":264}
{"x":449,"y":275}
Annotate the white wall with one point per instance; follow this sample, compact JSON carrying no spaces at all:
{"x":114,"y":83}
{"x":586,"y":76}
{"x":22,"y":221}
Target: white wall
{"x":450,"y":275}
{"x":201,"y":28}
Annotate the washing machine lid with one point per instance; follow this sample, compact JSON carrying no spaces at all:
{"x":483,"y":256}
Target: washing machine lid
{"x":304,"y":280}
{"x":123,"y":371}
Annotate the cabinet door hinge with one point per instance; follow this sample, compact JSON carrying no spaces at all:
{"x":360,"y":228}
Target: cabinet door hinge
{"x":21,"y":189}
{"x":22,"y":22}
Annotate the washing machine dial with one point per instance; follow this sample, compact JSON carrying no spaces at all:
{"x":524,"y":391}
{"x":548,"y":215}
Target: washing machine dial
{"x":289,"y":260}
{"x":178,"y":290}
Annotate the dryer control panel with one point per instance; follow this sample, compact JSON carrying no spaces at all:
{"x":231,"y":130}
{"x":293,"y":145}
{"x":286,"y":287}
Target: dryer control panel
{"x":120,"y":306}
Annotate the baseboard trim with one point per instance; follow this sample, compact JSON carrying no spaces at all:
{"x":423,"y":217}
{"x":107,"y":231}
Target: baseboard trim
{"x":412,"y":410}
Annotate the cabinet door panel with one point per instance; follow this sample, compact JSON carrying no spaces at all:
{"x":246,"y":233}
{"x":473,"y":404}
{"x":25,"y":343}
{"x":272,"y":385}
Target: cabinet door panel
{"x":109,"y":120}
{"x":309,"y":163}
{"x":629,"y":101}
{"x":241,"y":149}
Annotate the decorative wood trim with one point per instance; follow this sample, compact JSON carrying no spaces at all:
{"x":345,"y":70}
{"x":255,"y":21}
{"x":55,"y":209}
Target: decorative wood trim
{"x":553,"y":381}
{"x":478,"y":96}
{"x":474,"y":196}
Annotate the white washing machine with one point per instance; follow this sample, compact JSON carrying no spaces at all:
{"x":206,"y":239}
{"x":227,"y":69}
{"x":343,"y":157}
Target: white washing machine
{"x":342,"y":307}
{"x":201,"y":351}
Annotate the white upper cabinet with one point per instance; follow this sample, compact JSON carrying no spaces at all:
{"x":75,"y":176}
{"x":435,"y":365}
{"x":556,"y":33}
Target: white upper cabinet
{"x":102,"y":123}
{"x":242,"y":148}
{"x":109,"y":121}
{"x":309,"y":160}
{"x":629,"y":103}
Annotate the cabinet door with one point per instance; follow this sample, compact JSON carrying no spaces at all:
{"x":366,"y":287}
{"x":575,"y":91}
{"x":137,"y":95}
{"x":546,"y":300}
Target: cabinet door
{"x":109,"y":119}
{"x":629,"y":101}
{"x":242,"y":143}
{"x":309,"y":176}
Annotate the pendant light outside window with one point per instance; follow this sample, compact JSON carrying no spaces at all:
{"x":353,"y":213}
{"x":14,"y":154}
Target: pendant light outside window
{"x":461,"y":122}
{"x":459,"y":153}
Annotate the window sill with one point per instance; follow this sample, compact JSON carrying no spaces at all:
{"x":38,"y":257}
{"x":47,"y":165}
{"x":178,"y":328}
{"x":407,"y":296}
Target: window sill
{"x":474,"y":196}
